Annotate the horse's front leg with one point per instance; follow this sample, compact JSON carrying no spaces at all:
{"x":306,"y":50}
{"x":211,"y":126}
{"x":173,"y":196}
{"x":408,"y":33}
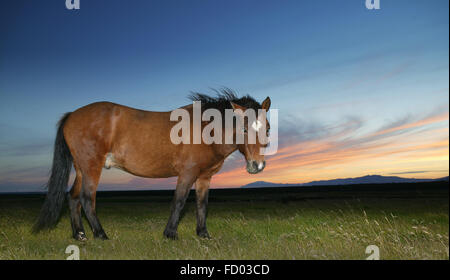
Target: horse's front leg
{"x":201,"y":191}
{"x":184,"y":185}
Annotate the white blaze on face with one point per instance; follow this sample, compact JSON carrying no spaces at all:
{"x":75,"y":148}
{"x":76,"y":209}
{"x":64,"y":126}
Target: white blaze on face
{"x":256,"y":125}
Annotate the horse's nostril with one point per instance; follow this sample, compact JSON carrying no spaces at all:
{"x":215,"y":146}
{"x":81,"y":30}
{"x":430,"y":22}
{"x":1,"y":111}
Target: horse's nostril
{"x":255,"y":165}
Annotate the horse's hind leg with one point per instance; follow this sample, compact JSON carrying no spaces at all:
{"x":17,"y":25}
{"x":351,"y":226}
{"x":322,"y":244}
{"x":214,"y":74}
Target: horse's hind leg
{"x":75,"y":207}
{"x":90,"y":180}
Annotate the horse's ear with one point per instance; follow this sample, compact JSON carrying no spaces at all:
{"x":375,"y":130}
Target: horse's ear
{"x":237,"y":106}
{"x":266,"y":104}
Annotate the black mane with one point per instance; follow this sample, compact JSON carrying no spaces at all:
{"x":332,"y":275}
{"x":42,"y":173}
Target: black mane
{"x":222,"y":100}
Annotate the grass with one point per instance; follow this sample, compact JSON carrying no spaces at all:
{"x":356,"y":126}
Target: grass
{"x":331,"y":228}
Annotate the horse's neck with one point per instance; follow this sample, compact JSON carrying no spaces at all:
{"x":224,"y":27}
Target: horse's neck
{"x":226,"y":149}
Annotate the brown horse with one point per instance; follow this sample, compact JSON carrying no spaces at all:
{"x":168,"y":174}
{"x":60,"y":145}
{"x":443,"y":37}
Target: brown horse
{"x":103,"y":135}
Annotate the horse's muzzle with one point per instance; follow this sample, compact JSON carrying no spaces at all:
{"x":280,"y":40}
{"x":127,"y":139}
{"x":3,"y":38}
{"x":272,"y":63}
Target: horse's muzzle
{"x":254,"y":167}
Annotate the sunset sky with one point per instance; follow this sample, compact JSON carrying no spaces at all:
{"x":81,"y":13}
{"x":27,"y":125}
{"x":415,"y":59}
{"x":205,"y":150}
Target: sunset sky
{"x":358,"y":91}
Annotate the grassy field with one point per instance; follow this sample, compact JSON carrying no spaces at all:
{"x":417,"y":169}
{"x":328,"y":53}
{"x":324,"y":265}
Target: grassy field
{"x":404,"y":221}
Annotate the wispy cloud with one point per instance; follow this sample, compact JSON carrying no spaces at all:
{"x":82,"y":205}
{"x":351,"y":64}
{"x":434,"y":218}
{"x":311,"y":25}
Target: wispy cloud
{"x":17,"y":150}
{"x":407,"y":124}
{"x":416,"y":172}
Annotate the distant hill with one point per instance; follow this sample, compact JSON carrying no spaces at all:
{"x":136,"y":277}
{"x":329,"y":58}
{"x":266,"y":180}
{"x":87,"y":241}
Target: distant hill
{"x":368,"y":179}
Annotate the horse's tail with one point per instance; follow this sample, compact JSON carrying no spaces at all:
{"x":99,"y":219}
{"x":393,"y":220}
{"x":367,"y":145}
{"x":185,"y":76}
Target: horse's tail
{"x":57,"y":184}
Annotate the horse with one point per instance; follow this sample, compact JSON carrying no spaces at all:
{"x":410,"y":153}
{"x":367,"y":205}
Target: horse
{"x":104,"y":135}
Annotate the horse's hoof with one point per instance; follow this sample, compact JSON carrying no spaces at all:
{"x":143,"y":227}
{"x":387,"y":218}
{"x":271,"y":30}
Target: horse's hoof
{"x":171,"y":234}
{"x":80,"y":236}
{"x":203,"y":234}
{"x":101,"y":235}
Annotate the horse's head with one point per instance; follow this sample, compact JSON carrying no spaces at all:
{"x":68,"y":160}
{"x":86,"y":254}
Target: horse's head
{"x":257,"y":129}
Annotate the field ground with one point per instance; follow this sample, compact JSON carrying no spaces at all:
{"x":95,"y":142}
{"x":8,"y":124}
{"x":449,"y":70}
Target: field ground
{"x":406,"y":221}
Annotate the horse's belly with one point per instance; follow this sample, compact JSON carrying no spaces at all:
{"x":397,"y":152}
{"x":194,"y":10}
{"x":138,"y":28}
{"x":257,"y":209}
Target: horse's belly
{"x":150,"y":167}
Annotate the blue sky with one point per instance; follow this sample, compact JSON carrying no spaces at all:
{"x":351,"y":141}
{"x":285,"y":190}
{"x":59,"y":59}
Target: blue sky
{"x":325,"y":64}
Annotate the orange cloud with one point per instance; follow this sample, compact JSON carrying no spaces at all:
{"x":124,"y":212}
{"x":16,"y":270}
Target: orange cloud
{"x":423,"y":122}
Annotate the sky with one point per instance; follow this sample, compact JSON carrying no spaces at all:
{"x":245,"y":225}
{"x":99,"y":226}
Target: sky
{"x":358,"y":91}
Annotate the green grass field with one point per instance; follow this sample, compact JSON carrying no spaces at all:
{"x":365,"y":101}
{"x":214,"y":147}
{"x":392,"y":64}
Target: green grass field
{"x":252,"y":224}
